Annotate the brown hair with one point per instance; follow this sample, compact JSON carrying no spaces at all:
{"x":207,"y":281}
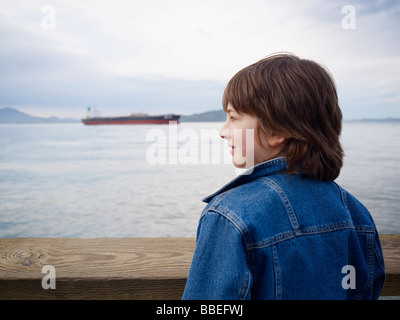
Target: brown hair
{"x":297,"y":99}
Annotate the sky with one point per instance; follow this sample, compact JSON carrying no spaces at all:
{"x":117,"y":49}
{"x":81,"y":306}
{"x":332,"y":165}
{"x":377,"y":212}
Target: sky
{"x":176,"y":56}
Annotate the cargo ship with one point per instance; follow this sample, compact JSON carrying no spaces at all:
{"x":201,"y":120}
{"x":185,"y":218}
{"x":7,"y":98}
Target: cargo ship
{"x":138,"y":118}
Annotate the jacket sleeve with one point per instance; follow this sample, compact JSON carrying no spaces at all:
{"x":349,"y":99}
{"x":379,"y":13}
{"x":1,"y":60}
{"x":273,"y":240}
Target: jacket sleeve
{"x":219,"y":269}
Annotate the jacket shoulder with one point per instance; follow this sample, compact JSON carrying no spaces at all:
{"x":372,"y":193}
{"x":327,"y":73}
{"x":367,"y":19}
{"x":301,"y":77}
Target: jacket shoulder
{"x":281,"y":206}
{"x":251,"y":207}
{"x":359,"y":214}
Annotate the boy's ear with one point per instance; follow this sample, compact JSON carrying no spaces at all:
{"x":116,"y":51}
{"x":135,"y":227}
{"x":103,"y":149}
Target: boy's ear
{"x":275,"y":140}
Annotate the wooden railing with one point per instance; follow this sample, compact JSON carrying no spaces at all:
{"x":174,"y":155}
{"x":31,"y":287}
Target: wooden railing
{"x":118,"y":268}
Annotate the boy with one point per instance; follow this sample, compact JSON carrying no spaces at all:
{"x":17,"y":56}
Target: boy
{"x":285,"y":230}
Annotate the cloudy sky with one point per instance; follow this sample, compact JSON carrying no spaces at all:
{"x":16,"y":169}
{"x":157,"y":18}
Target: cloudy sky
{"x":162,"y":56}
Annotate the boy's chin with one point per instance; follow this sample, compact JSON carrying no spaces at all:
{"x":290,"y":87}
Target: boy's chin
{"x":242,"y":164}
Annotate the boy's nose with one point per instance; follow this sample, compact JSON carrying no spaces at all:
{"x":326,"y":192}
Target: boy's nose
{"x":224,"y":132}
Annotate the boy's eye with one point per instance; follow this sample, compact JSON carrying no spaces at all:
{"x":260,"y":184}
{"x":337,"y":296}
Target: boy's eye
{"x":232,"y":118}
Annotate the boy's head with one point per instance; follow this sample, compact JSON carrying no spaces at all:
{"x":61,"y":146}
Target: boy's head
{"x":295,"y":99}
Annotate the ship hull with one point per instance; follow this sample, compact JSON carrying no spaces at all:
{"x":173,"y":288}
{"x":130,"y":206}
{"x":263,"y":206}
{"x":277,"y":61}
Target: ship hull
{"x":132,"y":120}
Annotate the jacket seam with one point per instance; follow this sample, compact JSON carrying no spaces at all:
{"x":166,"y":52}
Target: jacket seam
{"x":246,"y":281}
{"x":286,"y":202}
{"x":343,"y":197}
{"x":281,"y":236}
{"x":305,"y":232}
{"x":285,"y":235}
{"x":236,"y":222}
{"x":277,"y":274}
{"x":216,"y":202}
{"x":368,"y":283}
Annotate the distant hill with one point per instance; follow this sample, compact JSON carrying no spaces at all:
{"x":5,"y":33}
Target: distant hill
{"x":381,"y":120}
{"x":220,"y":116}
{"x":217,"y":115}
{"x":12,"y":116}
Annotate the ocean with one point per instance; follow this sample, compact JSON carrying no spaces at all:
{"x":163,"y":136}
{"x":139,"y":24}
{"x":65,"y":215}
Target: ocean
{"x":72,"y":180}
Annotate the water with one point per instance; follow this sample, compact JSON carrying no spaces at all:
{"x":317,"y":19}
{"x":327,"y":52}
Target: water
{"x":71,"y":180}
{"x":371,"y":170}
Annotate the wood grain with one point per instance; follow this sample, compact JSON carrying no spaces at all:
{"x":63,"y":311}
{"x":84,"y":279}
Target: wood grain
{"x":119,"y":268}
{"x":391,"y":254}
{"x":106,"y":268}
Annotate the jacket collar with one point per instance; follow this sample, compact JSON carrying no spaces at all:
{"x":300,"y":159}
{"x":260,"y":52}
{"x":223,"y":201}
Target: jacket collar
{"x":260,"y":170}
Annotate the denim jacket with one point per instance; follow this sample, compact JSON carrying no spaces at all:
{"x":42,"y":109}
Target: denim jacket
{"x":271,"y":235}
